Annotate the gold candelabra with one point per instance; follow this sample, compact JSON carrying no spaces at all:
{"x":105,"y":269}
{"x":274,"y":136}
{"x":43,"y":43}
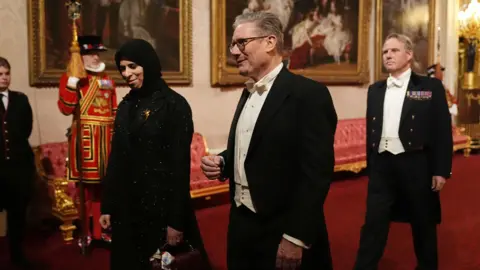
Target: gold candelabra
{"x":469,"y":21}
{"x":469,"y":71}
{"x":469,"y":29}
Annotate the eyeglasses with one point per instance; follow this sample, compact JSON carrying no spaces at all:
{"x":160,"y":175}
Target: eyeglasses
{"x":242,"y":42}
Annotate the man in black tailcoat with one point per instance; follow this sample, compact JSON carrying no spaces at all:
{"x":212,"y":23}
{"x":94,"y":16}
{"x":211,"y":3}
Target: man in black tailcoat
{"x":279,"y":157}
{"x":409,"y":157}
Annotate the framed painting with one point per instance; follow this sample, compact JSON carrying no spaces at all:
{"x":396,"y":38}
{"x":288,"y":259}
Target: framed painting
{"x":414,"y":18}
{"x":324,"y":40}
{"x":167,"y":25}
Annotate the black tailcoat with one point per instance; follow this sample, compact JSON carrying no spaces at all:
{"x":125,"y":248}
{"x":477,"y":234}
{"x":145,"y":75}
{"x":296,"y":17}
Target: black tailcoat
{"x":425,"y":125}
{"x":290,"y":161}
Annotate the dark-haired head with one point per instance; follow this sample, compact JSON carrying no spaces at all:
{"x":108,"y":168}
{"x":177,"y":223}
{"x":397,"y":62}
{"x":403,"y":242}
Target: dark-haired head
{"x":4,"y":74}
{"x":4,"y":63}
{"x":138,"y":64}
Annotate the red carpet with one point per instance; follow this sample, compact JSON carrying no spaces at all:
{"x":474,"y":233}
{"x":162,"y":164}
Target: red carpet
{"x":459,"y":234}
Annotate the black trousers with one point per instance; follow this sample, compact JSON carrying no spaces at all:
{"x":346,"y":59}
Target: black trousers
{"x":403,"y":178}
{"x":253,"y":241}
{"x":15,"y":190}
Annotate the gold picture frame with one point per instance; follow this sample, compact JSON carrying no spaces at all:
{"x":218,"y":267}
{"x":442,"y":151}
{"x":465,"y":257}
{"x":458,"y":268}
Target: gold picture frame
{"x":380,"y":35}
{"x":224,"y":75}
{"x":42,"y":73}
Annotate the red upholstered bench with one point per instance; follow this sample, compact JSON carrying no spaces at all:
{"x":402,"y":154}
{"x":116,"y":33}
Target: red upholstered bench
{"x":350,"y":148}
{"x":349,"y":145}
{"x":200,"y":186}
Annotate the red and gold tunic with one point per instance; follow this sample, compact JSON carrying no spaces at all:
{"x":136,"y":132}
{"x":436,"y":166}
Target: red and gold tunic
{"x":98,"y":105}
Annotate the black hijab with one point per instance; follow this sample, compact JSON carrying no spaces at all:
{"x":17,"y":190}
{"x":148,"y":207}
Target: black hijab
{"x":144,"y":55}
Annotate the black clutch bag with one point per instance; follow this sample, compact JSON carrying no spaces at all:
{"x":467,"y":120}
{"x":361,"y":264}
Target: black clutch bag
{"x":181,"y":257}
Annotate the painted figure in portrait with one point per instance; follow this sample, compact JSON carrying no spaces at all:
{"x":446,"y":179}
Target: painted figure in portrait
{"x":163,"y":23}
{"x":412,"y":18}
{"x":320,"y":34}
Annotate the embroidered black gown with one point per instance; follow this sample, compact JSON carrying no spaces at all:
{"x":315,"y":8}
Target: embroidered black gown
{"x":146,"y":187}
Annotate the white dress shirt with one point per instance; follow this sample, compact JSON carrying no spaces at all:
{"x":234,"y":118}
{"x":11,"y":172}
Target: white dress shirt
{"x":243,"y":134}
{"x":392,"y":111}
{"x":4,"y":97}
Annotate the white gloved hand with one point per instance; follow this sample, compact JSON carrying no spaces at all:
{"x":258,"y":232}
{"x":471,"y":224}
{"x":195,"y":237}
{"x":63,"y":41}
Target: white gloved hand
{"x":72,"y":82}
{"x":453,"y":110}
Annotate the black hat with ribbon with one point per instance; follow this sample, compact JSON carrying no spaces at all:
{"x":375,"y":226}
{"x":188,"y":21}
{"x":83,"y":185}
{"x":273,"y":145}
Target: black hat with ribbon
{"x":90,"y":44}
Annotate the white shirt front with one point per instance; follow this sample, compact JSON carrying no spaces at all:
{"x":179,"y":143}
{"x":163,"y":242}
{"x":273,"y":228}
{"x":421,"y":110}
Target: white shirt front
{"x":243,"y":134}
{"x":4,"y":97}
{"x":392,"y":111}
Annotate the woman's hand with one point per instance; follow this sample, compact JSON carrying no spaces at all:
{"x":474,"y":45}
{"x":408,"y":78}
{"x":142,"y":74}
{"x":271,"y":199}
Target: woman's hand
{"x":174,"y":237}
{"x":105,"y":221}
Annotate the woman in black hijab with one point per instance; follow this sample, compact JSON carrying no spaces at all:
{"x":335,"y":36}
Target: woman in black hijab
{"x":146,"y":197}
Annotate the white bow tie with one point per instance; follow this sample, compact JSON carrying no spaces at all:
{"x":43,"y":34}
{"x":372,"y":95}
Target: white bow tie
{"x":391,"y":81}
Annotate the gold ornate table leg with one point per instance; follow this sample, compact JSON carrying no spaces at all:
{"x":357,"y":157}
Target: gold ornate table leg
{"x":67,"y":229}
{"x":64,"y":208}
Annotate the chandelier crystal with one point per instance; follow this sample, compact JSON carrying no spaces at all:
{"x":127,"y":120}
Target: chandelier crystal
{"x":469,"y":21}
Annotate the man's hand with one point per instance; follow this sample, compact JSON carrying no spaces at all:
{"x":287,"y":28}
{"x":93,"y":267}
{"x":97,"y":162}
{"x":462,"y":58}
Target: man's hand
{"x":438,"y":182}
{"x":105,"y":221}
{"x":174,"y":237}
{"x":211,"y":167}
{"x":289,"y":255}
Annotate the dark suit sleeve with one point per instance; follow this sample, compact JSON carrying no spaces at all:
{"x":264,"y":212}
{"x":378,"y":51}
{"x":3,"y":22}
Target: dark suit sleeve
{"x":223,"y":154}
{"x":27,"y":118}
{"x":317,"y":121}
{"x":180,"y":149}
{"x":224,"y":176}
{"x":442,"y":145}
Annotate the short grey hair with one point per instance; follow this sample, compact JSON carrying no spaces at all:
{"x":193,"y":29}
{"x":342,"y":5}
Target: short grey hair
{"x":407,"y":42}
{"x":267,"y":24}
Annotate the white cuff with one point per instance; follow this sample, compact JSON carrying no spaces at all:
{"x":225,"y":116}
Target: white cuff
{"x":295,"y":241}
{"x":72,"y":82}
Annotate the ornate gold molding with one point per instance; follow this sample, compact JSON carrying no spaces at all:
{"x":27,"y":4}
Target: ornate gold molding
{"x":43,"y":75}
{"x":355,"y":167}
{"x":209,"y":191}
{"x":472,"y":97}
{"x":226,"y":75}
